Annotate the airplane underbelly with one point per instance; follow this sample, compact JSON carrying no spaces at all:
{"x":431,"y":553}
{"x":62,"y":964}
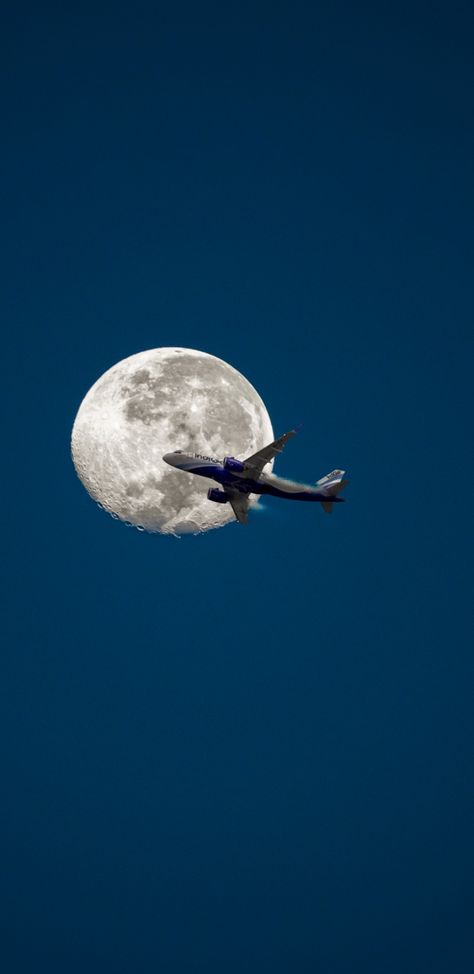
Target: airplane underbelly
{"x":291,"y":495}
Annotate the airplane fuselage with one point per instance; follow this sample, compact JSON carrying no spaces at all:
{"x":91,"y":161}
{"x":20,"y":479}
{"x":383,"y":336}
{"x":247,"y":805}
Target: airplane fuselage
{"x":266,"y":483}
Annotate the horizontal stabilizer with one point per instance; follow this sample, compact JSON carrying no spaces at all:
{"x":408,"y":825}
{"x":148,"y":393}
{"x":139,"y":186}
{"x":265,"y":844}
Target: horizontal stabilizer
{"x":327,"y":506}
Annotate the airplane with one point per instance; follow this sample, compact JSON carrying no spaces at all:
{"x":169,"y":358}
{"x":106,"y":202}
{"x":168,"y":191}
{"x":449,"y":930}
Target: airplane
{"x":240,"y":478}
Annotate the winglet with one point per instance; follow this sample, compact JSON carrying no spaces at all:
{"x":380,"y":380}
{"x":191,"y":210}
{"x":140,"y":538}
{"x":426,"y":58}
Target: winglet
{"x":257,"y":461}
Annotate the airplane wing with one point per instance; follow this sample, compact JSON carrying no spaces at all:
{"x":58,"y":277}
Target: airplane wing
{"x":239,"y":503}
{"x":255,"y":464}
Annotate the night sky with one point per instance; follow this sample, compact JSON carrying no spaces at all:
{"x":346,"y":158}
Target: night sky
{"x":249,"y":751}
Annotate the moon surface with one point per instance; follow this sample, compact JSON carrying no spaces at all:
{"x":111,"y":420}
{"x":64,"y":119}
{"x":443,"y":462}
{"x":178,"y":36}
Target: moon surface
{"x":149,"y":404}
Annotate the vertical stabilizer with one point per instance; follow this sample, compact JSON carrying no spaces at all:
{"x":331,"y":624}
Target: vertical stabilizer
{"x":330,"y":486}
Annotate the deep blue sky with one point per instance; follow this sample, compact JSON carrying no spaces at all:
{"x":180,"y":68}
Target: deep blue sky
{"x":253,"y":750}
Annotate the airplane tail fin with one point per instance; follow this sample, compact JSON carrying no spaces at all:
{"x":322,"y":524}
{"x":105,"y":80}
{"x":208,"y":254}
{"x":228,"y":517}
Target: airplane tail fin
{"x":331,"y":485}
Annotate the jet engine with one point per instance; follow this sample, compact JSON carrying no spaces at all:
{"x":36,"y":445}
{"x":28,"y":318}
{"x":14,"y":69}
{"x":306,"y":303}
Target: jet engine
{"x":218,"y":496}
{"x":233,"y":465}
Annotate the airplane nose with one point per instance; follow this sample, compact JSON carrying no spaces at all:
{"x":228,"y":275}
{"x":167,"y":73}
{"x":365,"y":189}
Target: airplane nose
{"x":171,"y":458}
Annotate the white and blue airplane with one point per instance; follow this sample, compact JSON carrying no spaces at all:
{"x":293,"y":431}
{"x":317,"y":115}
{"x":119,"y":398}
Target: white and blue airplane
{"x":240,"y":478}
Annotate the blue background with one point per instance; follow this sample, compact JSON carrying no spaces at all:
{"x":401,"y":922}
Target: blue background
{"x":251,"y":750}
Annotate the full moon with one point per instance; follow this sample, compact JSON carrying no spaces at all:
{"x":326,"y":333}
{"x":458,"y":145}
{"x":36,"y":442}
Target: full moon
{"x":152,"y":403}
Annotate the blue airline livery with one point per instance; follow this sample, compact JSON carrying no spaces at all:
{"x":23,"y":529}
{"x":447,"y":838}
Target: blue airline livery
{"x":241,"y":478}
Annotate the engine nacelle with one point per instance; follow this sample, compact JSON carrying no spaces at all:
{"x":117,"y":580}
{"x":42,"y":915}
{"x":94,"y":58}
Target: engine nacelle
{"x":218,"y":496}
{"x":233,"y":465}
